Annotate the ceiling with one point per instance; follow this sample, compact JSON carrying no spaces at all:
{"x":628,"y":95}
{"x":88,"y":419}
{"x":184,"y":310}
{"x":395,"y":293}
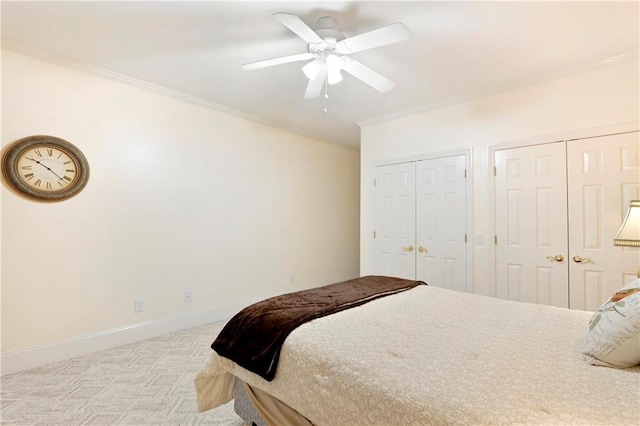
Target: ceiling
{"x":457,"y":50}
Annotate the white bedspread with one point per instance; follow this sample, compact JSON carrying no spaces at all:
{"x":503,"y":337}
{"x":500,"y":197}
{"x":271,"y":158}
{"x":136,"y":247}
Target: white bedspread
{"x":432,"y":356}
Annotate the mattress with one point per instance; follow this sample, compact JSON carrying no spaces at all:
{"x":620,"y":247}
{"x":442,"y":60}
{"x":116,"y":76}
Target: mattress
{"x":435,"y":356}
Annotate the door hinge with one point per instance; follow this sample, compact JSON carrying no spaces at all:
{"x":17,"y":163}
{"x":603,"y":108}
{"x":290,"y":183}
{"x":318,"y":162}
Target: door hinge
{"x":374,"y":181}
{"x":374,"y":234}
{"x":465,"y":238}
{"x":495,"y":171}
{"x":465,"y":173}
{"x":495,"y":240}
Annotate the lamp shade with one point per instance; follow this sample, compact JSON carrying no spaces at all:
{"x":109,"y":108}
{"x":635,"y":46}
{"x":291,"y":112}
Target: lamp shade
{"x":629,"y":233}
{"x":334,"y":65}
{"x":312,"y":69}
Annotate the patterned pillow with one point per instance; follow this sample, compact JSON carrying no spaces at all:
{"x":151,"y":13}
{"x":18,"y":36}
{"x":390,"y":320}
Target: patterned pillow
{"x":613,"y":337}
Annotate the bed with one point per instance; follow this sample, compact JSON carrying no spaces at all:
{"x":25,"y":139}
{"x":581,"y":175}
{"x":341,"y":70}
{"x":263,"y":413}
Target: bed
{"x":431,"y":356}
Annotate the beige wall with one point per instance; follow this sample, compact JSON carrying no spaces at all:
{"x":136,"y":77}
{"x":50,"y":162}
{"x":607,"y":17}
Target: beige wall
{"x":181,"y":197}
{"x":599,"y":97}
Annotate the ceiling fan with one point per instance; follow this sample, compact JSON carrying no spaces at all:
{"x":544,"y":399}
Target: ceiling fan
{"x":329,"y":50}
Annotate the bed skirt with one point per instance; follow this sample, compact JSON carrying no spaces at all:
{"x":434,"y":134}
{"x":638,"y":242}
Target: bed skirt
{"x":254,"y":406}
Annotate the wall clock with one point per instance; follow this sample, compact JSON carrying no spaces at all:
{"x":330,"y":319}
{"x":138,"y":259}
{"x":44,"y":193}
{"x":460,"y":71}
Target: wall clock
{"x":45,"y":168}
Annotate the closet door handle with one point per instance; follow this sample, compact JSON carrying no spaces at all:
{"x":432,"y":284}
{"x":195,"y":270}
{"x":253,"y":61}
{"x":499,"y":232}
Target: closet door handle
{"x":556,"y":258}
{"x":579,"y":259}
{"x":422,"y":249}
{"x":407,"y":248}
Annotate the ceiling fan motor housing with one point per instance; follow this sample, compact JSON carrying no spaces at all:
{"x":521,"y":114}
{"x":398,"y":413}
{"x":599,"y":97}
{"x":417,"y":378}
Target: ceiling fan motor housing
{"x":326,"y":28}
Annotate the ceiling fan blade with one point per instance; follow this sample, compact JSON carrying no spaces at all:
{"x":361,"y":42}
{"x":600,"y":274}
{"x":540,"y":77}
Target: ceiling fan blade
{"x":277,"y":61}
{"x":316,"y":84}
{"x":367,"y":75}
{"x":382,"y":36}
{"x":296,"y":25}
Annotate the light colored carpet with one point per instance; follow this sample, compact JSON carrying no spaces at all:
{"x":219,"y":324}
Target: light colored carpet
{"x":144,"y":383}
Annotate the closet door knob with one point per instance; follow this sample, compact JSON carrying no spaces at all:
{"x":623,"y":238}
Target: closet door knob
{"x":422,"y":249}
{"x":407,"y":248}
{"x":579,"y":259}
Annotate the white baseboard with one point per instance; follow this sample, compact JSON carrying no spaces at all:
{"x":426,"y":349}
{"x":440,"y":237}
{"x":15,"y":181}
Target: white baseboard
{"x":36,"y":356}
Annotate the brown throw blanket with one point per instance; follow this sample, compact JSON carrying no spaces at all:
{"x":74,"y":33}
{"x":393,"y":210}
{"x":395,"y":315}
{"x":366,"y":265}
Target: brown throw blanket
{"x":253,"y":337}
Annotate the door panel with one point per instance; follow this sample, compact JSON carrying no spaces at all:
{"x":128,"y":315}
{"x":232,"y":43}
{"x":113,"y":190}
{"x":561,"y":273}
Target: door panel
{"x":441,"y":222}
{"x":394,"y":219}
{"x":531,"y":225}
{"x":603,"y":177}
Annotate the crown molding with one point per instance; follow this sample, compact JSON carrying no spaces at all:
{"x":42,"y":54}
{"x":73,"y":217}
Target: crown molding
{"x":614,"y":60}
{"x":64,"y":61}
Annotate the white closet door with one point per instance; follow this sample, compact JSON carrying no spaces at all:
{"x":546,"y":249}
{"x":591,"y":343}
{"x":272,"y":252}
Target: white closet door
{"x":395,"y":221}
{"x":441,"y":258}
{"x":604,"y":175}
{"x":531,"y":224}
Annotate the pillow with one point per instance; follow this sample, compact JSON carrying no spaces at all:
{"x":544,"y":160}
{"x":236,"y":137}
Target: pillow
{"x":613,"y":336}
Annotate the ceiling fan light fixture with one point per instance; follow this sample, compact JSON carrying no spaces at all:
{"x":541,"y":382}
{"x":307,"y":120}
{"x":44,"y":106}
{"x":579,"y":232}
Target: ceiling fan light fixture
{"x":312,"y":69}
{"x":334,"y":62}
{"x":334,"y":76}
{"x":334,"y":65}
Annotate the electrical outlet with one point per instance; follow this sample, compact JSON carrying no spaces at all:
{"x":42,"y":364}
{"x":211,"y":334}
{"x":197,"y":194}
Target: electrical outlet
{"x":292,"y":278}
{"x":188,"y":296}
{"x":138,"y":305}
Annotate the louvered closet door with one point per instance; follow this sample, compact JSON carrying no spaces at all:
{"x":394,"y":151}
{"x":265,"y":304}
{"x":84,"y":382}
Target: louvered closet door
{"x":395,"y":210}
{"x":604,"y":175}
{"x":531,"y":224}
{"x":440,"y":222}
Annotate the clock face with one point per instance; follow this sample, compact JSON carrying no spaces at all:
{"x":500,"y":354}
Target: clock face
{"x":45,"y":168}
